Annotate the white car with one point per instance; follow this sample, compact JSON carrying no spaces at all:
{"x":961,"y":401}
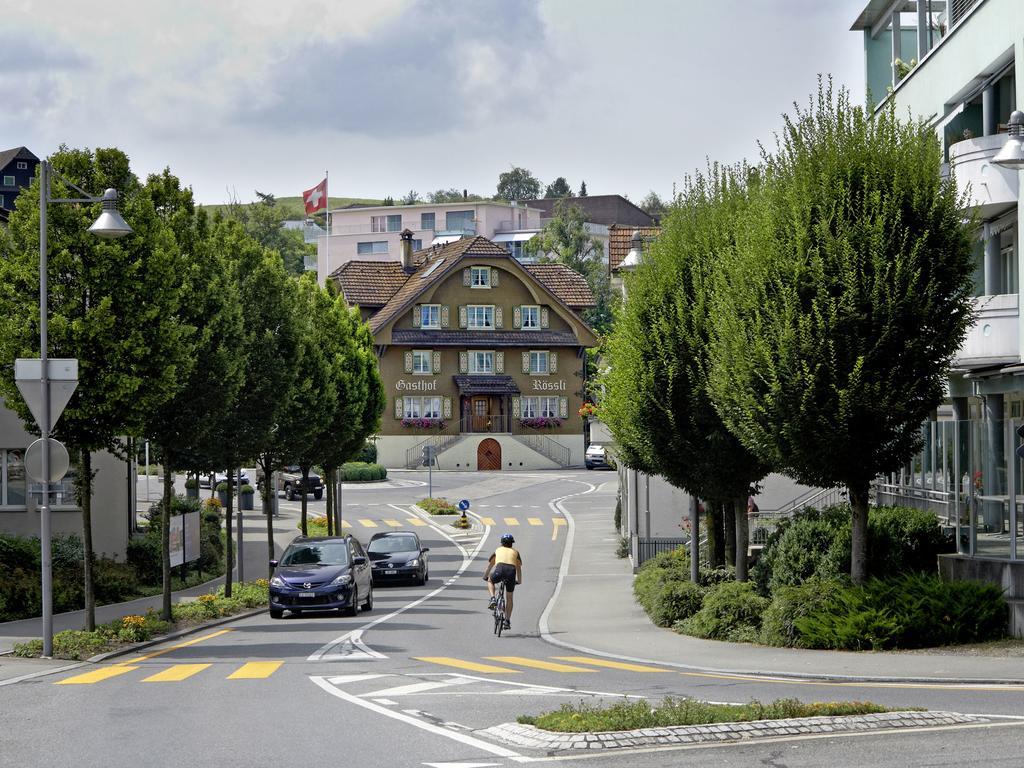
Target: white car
{"x":596,"y":456}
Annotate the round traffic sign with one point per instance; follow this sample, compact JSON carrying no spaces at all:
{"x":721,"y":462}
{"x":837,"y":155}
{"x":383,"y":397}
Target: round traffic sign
{"x":59,"y":461}
{"x":464,"y":505}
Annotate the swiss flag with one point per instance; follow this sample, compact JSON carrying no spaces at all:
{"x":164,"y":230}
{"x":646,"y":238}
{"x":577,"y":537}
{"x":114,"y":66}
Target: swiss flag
{"x":315,"y":199}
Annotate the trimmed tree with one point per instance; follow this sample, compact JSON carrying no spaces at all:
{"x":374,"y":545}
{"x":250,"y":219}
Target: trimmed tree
{"x":518,"y":184}
{"x":848,"y":294}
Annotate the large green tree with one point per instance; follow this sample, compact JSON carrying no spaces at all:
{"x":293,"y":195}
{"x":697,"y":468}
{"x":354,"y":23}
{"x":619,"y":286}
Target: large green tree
{"x":113,"y":305}
{"x":518,"y":184}
{"x":847,"y":296}
{"x":263,"y":221}
{"x":558,"y":188}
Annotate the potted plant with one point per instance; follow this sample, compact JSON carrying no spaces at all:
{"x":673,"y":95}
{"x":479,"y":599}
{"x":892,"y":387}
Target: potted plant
{"x":245,"y":497}
{"x":222,"y":492}
{"x":192,"y":488}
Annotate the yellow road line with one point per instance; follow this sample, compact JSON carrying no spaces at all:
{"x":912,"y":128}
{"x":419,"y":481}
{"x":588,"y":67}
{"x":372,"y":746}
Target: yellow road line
{"x":186,"y":644}
{"x":177,"y":673}
{"x":534,"y":521}
{"x":487,"y":520}
{"x":840,"y":684}
{"x":255,"y":670}
{"x":558,"y":521}
{"x":346,"y":524}
{"x":556,"y":525}
{"x":367,"y":523}
{"x":610,"y":664}
{"x":393,"y":523}
{"x":463,"y":664}
{"x":511,"y":521}
{"x":415,"y":521}
{"x":550,"y":666}
{"x":96,"y":675}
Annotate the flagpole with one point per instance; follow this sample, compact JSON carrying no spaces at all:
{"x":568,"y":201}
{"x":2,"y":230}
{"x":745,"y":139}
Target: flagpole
{"x":327,"y":224}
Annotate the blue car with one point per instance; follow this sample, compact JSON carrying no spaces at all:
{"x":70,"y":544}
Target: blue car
{"x":322,"y":573}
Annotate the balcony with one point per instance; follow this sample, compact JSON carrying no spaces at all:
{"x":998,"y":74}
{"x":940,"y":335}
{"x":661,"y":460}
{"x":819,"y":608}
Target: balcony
{"x":992,"y":188}
{"x":994,"y":338}
{"x":458,"y":226}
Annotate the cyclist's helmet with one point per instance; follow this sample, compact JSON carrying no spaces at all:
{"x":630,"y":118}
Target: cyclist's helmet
{"x":507,"y":539}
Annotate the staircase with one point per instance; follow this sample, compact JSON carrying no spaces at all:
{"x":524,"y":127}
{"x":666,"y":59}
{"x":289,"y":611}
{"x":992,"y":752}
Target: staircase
{"x":414,"y":455}
{"x":545,"y":446}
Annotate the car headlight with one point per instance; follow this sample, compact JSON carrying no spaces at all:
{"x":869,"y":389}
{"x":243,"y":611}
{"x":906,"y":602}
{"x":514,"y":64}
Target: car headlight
{"x":342,"y":580}
{"x":414,"y":562}
{"x":277,"y":581}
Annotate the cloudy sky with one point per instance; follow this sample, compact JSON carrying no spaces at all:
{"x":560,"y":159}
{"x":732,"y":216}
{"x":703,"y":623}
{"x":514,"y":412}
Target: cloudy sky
{"x":393,"y":95}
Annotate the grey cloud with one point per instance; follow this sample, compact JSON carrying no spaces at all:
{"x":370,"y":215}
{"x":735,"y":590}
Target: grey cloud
{"x":415,"y":75}
{"x":19,"y":53}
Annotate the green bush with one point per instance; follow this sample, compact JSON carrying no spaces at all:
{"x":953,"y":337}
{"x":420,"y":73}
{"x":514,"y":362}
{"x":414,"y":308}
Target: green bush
{"x":222,"y":486}
{"x":710,"y":577}
{"x":778,"y":627}
{"x":113,"y":582}
{"x":908,"y":611}
{"x":368,"y":453}
{"x":812,"y":543}
{"x":618,"y":512}
{"x":675,"y":601}
{"x":18,"y":552}
{"x":655,"y":573}
{"x":144,"y":556}
{"x":730,"y":611}
{"x":437,"y":506}
{"x":622,"y":547}
{"x":902,"y":539}
{"x":361,"y":472}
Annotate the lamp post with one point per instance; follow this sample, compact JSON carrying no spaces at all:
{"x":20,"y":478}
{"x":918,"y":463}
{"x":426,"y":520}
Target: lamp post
{"x":108,"y":226}
{"x":1011,"y":155}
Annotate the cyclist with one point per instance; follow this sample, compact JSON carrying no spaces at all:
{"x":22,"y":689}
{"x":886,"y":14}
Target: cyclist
{"x":504,"y":565}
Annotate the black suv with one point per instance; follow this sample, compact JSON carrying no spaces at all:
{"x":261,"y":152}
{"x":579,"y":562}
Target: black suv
{"x":289,"y":480}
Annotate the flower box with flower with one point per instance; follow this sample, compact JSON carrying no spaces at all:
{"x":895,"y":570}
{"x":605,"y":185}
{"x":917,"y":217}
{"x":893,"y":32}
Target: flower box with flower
{"x":540,"y":422}
{"x":587,"y":410}
{"x":424,"y":423}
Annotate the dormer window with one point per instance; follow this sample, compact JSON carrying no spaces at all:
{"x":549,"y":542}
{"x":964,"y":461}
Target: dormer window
{"x":531,"y":317}
{"x":430,"y":315}
{"x":480,"y":277}
{"x":480,"y":316}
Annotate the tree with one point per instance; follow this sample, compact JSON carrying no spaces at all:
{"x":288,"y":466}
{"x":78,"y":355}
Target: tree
{"x":388,"y":201}
{"x":848,"y":294}
{"x":411,"y":197}
{"x":653,"y":205}
{"x":558,"y":188}
{"x":112,"y":305}
{"x":583,"y":189}
{"x":263,"y":221}
{"x":518,"y":184}
{"x":453,"y":195}
{"x":565,"y":239}
{"x":657,"y":402}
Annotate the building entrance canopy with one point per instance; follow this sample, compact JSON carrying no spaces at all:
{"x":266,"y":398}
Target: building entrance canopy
{"x":486,"y":385}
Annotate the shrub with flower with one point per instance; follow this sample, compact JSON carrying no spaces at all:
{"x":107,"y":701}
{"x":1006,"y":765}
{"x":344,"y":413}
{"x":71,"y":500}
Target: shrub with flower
{"x":541,"y":422}
{"x":213,"y":504}
{"x":424,"y":423}
{"x":587,"y":409}
{"x":133,"y":629}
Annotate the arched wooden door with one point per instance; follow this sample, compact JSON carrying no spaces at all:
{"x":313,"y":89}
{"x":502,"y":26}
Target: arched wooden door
{"x":488,"y":455}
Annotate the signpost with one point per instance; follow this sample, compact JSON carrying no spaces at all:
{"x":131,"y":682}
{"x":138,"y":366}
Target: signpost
{"x":429,"y":459}
{"x":464,"y":505}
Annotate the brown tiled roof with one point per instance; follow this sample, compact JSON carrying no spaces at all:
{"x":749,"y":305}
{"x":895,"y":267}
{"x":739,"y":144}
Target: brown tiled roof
{"x":369,"y":283}
{"x":483,"y":339}
{"x":568,"y":285}
{"x":619,"y":238}
{"x":486,"y":385}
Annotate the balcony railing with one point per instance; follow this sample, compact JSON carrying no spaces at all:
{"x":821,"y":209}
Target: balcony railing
{"x":991,"y":187}
{"x":497,"y":423}
{"x":994,"y":337}
{"x":413,"y":224}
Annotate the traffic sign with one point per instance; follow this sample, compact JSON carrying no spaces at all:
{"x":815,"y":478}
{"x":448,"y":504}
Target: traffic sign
{"x":464,"y":505}
{"x":1020,"y":448}
{"x":429,"y":455}
{"x":63,"y":378}
{"x":59,"y":461}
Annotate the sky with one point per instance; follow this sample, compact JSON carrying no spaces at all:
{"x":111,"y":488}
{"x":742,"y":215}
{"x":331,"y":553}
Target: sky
{"x":397,"y":95}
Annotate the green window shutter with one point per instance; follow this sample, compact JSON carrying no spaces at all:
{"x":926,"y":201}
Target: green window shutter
{"x":416,"y":316}
{"x":552,"y":362}
{"x":515,"y":407}
{"x":499,"y":362}
{"x":447,"y":408}
{"x":467,"y":277}
{"x":499,"y":321}
{"x":463,"y":316}
{"x":437,"y":362}
{"x":563,"y":407}
{"x":543,"y":317}
{"x":517,"y":317}
{"x":444,"y":316}
{"x":408,"y":362}
{"x":399,"y":408}
{"x":463,"y":362}
{"x":494,"y":278}
{"x":526,"y":362}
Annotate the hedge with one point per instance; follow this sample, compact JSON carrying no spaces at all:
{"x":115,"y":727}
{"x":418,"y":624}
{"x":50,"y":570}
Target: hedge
{"x":360,"y":472}
{"x":731,"y":611}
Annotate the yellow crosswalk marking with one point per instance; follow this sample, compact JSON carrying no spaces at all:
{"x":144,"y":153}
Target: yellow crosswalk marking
{"x":511,"y":521}
{"x":534,"y":521}
{"x":487,"y":520}
{"x":366,"y":523}
{"x":97,"y":675}
{"x":556,"y":525}
{"x":177,"y":673}
{"x":550,"y":666}
{"x":415,"y":521}
{"x":610,"y":664}
{"x":558,"y":521}
{"x":473,"y":666}
{"x":345,"y":524}
{"x":255,"y":670}
{"x":393,"y":523}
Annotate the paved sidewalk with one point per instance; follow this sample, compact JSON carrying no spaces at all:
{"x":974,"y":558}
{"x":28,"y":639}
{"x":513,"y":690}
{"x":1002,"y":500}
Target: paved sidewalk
{"x":617,"y":626}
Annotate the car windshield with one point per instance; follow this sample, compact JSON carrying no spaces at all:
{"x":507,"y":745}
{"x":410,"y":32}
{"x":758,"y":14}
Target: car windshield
{"x":316,"y":553}
{"x":393,"y":544}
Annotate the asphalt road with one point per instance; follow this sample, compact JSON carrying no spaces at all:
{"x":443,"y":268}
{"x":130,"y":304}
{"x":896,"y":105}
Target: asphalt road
{"x":412,"y":682}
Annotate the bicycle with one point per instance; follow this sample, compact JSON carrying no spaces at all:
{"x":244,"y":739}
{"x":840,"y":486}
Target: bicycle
{"x":499,"y":608}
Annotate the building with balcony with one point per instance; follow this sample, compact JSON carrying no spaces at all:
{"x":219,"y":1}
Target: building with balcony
{"x":954,"y":64}
{"x":17,"y":169}
{"x":482,"y":356}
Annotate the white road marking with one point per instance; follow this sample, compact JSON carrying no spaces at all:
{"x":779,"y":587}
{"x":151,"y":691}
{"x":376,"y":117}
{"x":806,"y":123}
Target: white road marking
{"x":461,"y":765}
{"x":342,"y":679}
{"x":387,"y":702}
{"x":408,"y":690}
{"x":351,"y":648}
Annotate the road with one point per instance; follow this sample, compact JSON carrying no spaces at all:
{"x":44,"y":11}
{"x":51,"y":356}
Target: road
{"x":415,"y":681}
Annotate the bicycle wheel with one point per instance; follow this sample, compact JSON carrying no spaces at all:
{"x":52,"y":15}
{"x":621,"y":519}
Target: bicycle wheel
{"x":499,"y":611}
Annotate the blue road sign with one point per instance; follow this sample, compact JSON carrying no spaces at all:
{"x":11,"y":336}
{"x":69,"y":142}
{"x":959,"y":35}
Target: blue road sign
{"x":464,"y":505}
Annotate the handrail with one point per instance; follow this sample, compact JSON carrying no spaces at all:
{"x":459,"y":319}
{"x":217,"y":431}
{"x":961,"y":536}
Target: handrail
{"x":414,"y":455}
{"x":545,"y":446}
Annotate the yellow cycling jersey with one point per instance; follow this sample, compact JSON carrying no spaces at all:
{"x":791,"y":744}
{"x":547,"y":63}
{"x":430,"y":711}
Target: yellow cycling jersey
{"x":507,"y":556}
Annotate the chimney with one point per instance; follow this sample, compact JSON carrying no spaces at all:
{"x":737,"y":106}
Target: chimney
{"x":465,"y":195}
{"x":636,"y":251}
{"x":407,"y":265}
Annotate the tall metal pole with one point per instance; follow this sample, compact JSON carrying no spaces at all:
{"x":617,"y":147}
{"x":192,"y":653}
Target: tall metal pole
{"x":44,"y":426}
{"x":327,"y":224}
{"x":238,"y":560}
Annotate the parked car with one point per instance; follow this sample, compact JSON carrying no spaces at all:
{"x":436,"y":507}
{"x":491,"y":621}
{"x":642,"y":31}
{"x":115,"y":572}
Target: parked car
{"x":321,"y":573}
{"x":398,"y":556}
{"x":289,"y":481}
{"x":597,"y":456}
{"x":222,"y":477}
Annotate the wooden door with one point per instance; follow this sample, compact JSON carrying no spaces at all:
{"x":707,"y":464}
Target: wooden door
{"x":481,"y":407}
{"x":488,"y":455}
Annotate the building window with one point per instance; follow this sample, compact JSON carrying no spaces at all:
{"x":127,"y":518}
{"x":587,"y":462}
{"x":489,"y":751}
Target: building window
{"x":430,"y":315}
{"x":377,"y":246}
{"x":531,"y":317}
{"x":417,"y":244}
{"x":2,"y":203}
{"x":460,"y":221}
{"x":421,"y":361}
{"x":480,"y":316}
{"x":481,"y":362}
{"x":389,"y":223}
{"x":12,"y":478}
{"x":8,"y":181}
{"x":422,"y":407}
{"x":540,"y":407}
{"x":427,"y":221}
{"x":480,"y":277}
{"x":539,"y":361}
{"x":22,"y":165}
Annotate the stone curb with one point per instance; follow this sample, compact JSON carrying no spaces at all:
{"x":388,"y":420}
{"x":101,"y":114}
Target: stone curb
{"x":535,"y":738}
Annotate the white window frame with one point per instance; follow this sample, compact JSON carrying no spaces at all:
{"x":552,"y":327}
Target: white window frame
{"x":22,"y":165}
{"x":486,"y":356}
{"x":485,"y":277}
{"x":428,"y":407}
{"x":529,"y":407}
{"x":385,"y":223}
{"x":534,"y":311}
{"x":374,"y":247}
{"x":426,"y":312}
{"x":536,"y":356}
{"x":549,"y":407}
{"x":422,"y":362}
{"x":9,"y":181}
{"x":423,"y":221}
{"x":488,"y":317}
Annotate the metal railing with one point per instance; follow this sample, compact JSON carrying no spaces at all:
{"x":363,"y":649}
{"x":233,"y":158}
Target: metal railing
{"x":495,"y":423}
{"x":546,"y":446}
{"x":958,"y":9}
{"x":818,"y":498}
{"x":414,"y":455}
{"x":647,"y":547}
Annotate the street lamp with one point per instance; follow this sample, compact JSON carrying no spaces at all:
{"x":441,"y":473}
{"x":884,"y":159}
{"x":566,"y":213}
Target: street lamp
{"x":108,"y":226}
{"x":1011,"y":155}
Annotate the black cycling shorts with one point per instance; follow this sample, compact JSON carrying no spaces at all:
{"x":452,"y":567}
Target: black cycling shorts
{"x":506,"y":573}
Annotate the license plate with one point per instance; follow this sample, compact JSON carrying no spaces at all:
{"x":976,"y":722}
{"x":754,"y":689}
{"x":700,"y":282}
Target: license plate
{"x":307,"y":594}
{"x":390,"y":573}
